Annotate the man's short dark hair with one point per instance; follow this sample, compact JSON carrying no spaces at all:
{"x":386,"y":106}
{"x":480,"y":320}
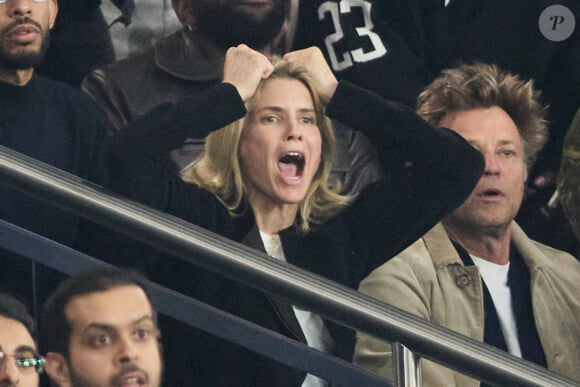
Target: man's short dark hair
{"x":15,"y":310}
{"x":55,"y":327}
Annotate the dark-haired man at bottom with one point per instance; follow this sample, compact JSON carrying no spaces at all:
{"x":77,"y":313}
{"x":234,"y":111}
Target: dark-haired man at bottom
{"x":99,"y":329}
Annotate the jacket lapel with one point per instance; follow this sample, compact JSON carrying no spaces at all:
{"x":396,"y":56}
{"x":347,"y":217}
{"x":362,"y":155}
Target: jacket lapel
{"x":281,"y":306}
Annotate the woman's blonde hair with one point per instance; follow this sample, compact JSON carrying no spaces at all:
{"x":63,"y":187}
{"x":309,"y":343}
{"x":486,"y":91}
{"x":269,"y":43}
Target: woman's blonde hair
{"x":219,"y":168}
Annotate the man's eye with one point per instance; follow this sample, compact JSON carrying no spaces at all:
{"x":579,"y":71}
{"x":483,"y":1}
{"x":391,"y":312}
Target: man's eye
{"x":308,"y":120}
{"x":25,"y":361}
{"x":508,"y":152}
{"x":100,"y":340}
{"x":143,"y":334}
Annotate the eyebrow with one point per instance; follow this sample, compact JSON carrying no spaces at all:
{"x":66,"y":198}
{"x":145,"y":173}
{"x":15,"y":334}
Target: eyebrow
{"x":507,"y":142}
{"x":501,"y":142}
{"x":24,"y":348}
{"x":279,"y":109}
{"x":105,"y":326}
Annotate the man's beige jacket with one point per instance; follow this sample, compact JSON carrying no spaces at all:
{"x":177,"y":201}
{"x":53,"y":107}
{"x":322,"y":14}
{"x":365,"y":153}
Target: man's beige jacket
{"x":429,"y":279}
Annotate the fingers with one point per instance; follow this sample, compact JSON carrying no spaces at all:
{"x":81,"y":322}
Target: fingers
{"x":314,"y":61}
{"x":244,"y":68}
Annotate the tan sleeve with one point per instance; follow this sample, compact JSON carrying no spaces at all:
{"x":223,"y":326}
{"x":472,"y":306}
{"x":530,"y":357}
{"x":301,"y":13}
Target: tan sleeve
{"x":406,"y":282}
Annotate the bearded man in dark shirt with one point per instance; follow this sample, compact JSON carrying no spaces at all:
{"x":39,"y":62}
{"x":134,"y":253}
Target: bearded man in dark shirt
{"x":43,"y":119}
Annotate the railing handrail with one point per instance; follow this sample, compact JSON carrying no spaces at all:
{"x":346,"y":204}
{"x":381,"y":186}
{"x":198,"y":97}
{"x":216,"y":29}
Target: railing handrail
{"x":201,"y":247}
{"x":41,"y":250}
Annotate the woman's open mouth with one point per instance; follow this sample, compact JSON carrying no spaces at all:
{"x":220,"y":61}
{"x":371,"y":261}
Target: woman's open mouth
{"x":291,"y":166}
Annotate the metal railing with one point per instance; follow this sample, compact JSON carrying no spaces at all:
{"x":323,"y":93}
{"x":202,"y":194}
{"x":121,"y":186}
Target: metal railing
{"x":336,"y":302}
{"x":43,"y":251}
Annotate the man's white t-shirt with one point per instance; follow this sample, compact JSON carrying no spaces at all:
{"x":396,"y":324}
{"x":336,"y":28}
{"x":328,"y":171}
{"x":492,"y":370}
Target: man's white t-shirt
{"x":496,"y":279}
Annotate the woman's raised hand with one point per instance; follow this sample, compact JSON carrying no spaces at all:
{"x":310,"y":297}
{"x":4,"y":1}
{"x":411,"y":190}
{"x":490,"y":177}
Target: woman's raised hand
{"x":314,"y":61}
{"x":244,"y":68}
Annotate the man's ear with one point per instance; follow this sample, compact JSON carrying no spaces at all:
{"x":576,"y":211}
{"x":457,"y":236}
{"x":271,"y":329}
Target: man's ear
{"x":56,"y":368}
{"x":184,"y":12}
{"x":52,"y":12}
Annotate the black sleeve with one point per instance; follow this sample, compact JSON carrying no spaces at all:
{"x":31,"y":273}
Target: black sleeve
{"x":438,"y":170}
{"x":166,"y":127}
{"x":138,"y":162}
{"x":139,"y":168}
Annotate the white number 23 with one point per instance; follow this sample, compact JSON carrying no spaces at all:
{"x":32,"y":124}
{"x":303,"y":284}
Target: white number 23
{"x":346,"y":58}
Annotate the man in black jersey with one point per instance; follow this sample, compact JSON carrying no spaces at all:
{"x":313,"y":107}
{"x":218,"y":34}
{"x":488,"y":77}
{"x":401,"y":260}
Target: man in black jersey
{"x":375,"y":44}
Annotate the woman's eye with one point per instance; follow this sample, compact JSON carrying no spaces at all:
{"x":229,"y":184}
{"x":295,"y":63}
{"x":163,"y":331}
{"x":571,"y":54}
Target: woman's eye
{"x":269,"y":119}
{"x":308,"y":120}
